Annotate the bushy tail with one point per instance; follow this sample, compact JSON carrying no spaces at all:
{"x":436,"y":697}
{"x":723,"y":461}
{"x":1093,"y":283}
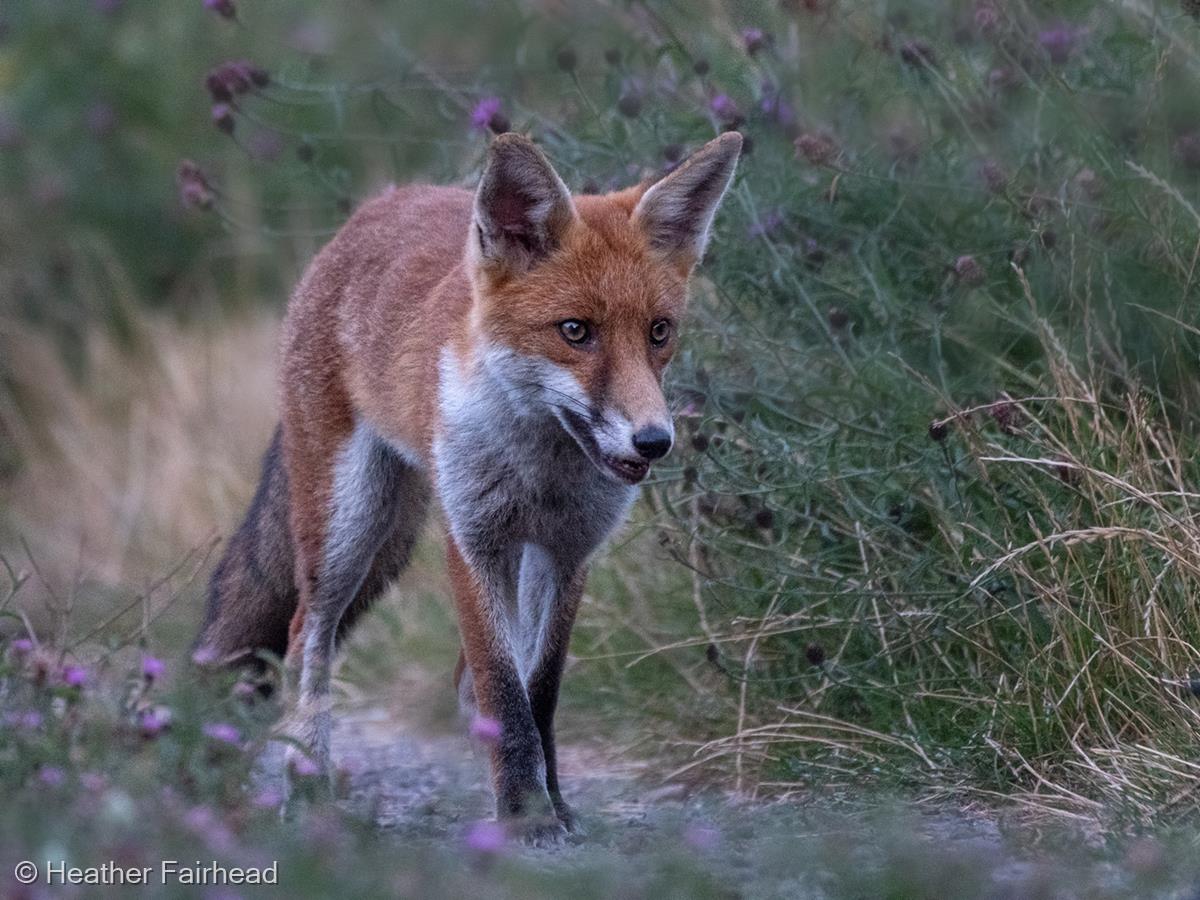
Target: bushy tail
{"x":252,"y":595}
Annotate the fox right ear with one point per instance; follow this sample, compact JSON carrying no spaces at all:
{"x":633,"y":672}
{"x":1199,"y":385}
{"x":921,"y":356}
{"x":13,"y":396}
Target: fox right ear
{"x":677,"y":212}
{"x":522,"y":207}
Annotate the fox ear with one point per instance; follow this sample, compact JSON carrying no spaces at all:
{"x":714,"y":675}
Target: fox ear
{"x":676,"y":213}
{"x":522,"y":207}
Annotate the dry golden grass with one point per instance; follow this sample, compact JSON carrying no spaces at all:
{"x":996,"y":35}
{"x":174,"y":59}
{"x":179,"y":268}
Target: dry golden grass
{"x":146,"y":456}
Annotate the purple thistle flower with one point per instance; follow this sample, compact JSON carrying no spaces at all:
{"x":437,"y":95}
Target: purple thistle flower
{"x":153,"y":668}
{"x":21,"y":647}
{"x":776,"y":106}
{"x":702,"y":838}
{"x":754,"y":40}
{"x":485,"y":729}
{"x":725,"y":110}
{"x":205,"y":823}
{"x":267,"y":798}
{"x":486,"y":838}
{"x":488,"y":115}
{"x":52,"y":776}
{"x":304,"y":767}
{"x":224,"y":8}
{"x":28,"y":720}
{"x":93,"y":781}
{"x":153,"y":721}
{"x":223,"y":733}
{"x":1059,"y":42}
{"x":188,"y":170}
{"x":74,"y":676}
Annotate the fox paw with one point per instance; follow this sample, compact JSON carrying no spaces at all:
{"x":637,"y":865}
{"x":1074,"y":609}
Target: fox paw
{"x":569,"y":818}
{"x":541,"y":834}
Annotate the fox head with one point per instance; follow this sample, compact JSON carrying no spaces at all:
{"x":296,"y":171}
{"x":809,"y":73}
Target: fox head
{"x":579,"y":300}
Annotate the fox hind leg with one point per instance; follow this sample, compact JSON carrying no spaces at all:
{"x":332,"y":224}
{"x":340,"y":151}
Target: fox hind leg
{"x":378,"y":502}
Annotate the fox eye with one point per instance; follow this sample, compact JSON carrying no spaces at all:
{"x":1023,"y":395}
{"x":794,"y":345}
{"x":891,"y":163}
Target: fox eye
{"x":660,"y":332}
{"x":574,"y":331}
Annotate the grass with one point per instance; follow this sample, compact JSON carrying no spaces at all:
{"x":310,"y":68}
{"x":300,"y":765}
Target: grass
{"x":931,"y":524}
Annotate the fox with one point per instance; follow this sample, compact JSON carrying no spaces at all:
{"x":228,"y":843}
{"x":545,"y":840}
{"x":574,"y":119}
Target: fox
{"x":496,"y":353}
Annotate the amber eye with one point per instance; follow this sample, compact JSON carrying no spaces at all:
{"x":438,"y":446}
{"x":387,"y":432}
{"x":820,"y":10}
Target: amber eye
{"x":660,"y":332}
{"x":574,"y":331}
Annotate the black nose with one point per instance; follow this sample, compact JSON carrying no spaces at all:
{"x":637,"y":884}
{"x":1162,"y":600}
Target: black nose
{"x":652,"y":442}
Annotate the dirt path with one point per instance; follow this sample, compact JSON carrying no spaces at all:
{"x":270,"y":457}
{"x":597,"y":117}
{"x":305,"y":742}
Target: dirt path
{"x":430,"y":788}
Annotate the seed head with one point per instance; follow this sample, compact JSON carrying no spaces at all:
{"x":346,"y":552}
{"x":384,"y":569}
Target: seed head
{"x":233,"y":78}
{"x":566,"y":59}
{"x":918,"y":54}
{"x":993,"y":175}
{"x":987,"y":17}
{"x":629,"y":104}
{"x":1187,"y":149}
{"x":968,"y":270}
{"x":1006,"y":415}
{"x":816,"y":148}
{"x":222,"y":117}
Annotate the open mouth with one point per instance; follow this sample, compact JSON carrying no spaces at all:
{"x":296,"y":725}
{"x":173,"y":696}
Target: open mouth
{"x":630,"y":471}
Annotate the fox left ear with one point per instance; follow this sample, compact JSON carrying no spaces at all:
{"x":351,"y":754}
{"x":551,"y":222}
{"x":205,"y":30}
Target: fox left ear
{"x":522,"y":207}
{"x":677,"y":212}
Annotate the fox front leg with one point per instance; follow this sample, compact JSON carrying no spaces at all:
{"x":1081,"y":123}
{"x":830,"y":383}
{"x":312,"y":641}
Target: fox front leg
{"x":518,"y":763}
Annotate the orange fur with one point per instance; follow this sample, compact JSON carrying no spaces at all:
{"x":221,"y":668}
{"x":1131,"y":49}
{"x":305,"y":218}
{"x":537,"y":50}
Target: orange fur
{"x":430,"y":345}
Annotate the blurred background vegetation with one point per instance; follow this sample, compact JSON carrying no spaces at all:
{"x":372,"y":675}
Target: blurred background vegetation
{"x":930,"y":522}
